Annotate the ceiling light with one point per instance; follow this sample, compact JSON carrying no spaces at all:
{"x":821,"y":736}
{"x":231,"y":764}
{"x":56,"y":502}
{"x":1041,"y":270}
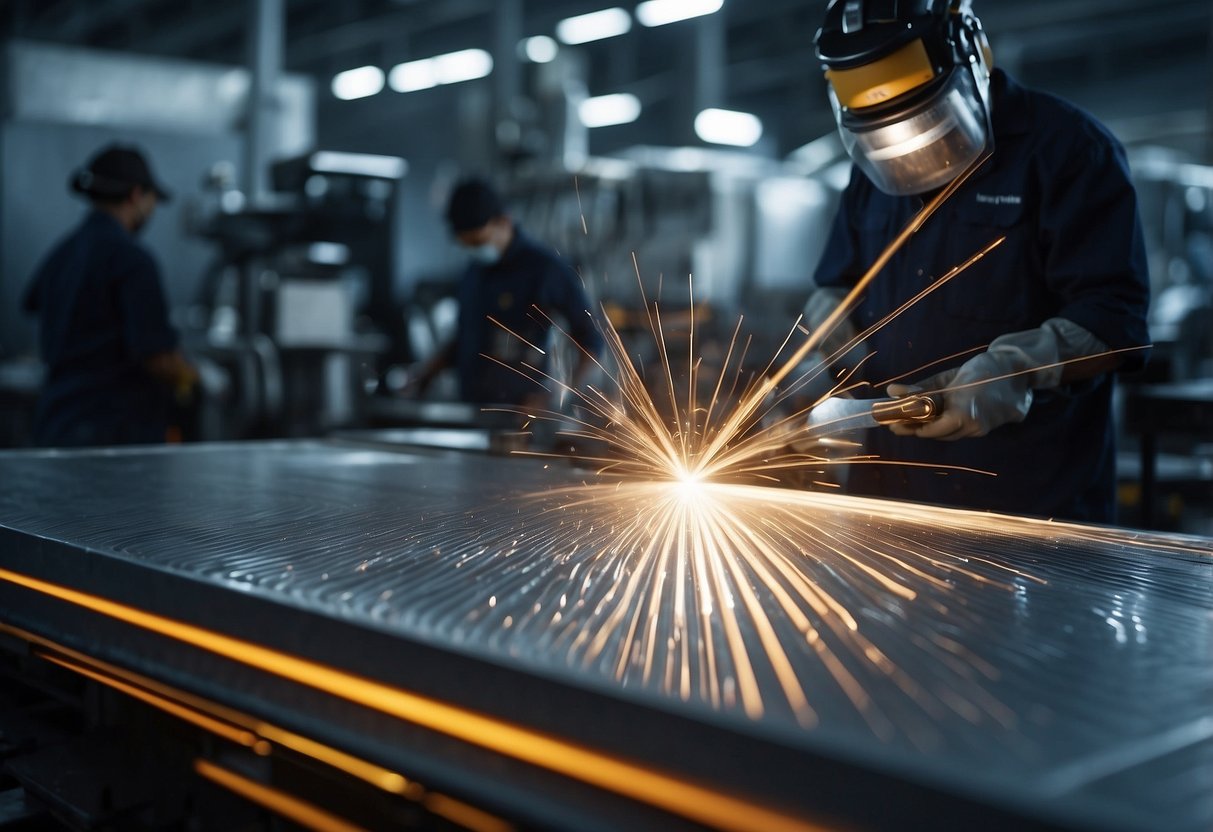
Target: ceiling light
{"x":606,"y":110}
{"x":607,"y":23}
{"x":661,"y":12}
{"x":358,"y":83}
{"x":464,"y":65}
{"x":451,"y":68}
{"x":540,"y":49}
{"x":358,"y":164}
{"x":728,"y":127}
{"x":412,"y":76}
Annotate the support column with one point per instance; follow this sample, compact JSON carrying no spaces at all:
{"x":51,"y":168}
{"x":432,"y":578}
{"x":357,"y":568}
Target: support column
{"x":266,"y":41}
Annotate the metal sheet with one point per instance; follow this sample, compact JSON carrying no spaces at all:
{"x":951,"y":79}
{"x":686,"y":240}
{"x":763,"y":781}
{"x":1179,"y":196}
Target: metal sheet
{"x":1066,"y":671}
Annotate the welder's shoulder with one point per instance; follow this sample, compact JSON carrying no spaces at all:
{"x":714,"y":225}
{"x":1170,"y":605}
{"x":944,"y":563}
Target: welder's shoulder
{"x":1065,"y":132}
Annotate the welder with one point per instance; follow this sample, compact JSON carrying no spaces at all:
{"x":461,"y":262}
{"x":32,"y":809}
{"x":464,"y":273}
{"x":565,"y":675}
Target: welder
{"x":112,"y":358}
{"x":1024,"y":344}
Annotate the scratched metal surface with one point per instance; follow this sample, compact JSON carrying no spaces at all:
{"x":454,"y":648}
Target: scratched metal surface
{"x":1059,"y":665}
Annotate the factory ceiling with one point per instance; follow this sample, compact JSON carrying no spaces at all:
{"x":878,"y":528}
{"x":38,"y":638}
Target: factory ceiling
{"x":1125,"y":59}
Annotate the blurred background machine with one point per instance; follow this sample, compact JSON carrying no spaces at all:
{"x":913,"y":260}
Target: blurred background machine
{"x":297,"y":304}
{"x":312,"y":148}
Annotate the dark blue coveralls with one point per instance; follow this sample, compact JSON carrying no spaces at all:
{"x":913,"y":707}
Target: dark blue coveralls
{"x":102,"y":315}
{"x":528,"y":275}
{"x":1058,"y":188}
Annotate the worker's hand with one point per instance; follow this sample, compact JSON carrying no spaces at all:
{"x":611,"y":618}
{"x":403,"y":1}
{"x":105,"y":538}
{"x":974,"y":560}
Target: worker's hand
{"x":984,"y":393}
{"x":995,"y":387}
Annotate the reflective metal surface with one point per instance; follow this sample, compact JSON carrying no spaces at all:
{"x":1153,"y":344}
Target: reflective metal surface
{"x":1063,"y":670}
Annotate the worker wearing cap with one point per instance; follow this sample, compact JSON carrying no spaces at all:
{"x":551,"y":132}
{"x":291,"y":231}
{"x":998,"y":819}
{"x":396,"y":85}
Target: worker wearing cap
{"x":510,"y":292}
{"x":917,"y":104}
{"x":111,"y":355}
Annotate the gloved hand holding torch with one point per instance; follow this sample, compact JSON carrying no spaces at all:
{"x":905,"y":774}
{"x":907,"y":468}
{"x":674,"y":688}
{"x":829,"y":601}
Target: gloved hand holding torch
{"x":994,"y":388}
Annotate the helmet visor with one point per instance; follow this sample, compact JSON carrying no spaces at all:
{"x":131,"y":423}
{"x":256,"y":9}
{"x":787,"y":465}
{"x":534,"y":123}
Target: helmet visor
{"x":925,"y":148}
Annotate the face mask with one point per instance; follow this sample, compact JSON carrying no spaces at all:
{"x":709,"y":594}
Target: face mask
{"x":485,"y":255}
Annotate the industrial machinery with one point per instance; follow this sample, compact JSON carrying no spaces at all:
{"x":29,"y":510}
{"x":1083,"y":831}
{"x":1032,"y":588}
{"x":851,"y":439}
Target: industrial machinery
{"x":299,"y":303}
{"x":350,"y":637}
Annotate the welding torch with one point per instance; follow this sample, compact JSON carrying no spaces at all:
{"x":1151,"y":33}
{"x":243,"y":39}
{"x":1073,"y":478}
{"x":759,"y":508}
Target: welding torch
{"x":839,"y":414}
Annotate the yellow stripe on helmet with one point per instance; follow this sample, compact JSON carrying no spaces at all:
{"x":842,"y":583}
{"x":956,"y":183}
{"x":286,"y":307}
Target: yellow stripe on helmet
{"x":877,"y":82}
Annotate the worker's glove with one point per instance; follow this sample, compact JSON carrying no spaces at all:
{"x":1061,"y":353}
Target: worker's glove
{"x":995,"y":388}
{"x":820,"y":305}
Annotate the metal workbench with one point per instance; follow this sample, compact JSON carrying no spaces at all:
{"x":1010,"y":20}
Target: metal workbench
{"x":996,"y":672}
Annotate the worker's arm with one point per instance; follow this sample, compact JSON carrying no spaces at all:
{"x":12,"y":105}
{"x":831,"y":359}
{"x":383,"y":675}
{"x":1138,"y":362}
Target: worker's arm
{"x":1096,"y":271}
{"x":430,"y":369}
{"x":146,"y":331}
{"x":564,"y":294}
{"x":996,"y":387}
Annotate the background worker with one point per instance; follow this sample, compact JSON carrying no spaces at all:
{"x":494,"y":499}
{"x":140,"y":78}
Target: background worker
{"x":519,"y":283}
{"x":111,"y":355}
{"x":917,"y":103}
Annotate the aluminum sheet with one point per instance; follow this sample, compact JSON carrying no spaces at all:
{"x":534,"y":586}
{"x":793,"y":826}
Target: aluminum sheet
{"x":1062,"y":668}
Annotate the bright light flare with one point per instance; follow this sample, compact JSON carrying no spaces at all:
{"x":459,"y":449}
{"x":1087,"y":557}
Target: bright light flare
{"x":708,"y":583}
{"x":451,"y":68}
{"x":361,"y":82}
{"x":689,"y":486}
{"x":662,"y":12}
{"x":540,"y":49}
{"x":729,"y":127}
{"x":607,"y":23}
{"x":609,"y":110}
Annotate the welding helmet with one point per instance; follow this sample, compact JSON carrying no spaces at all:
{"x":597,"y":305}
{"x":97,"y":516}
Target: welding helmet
{"x":909,"y":82}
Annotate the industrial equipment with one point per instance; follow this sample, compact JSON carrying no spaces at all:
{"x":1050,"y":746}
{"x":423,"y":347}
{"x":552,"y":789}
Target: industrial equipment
{"x":384,"y":639}
{"x":300,"y":302}
{"x":838,"y":414}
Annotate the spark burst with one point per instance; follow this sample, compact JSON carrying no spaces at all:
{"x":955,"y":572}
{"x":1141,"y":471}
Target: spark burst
{"x":702,"y":583}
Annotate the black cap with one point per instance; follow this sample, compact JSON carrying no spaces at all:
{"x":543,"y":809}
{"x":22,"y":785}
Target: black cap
{"x":472,"y":204}
{"x":113,"y":172}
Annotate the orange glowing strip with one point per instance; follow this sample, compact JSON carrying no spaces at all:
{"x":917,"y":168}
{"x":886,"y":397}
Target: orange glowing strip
{"x":377,"y":776}
{"x":279,"y":802}
{"x":605,"y":771}
{"x":467,"y":816}
{"x":222,"y":729}
{"x":154,"y":693}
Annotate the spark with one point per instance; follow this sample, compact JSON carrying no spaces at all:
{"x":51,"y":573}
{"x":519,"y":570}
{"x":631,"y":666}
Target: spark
{"x":701,"y":581}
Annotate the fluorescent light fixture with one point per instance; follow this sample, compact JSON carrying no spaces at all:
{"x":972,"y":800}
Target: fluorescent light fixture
{"x":358,"y":164}
{"x":329,"y":254}
{"x":540,"y":49}
{"x":728,"y":127}
{"x":358,"y":83}
{"x":464,"y":65}
{"x":451,"y":68}
{"x":661,"y":12}
{"x":584,"y":28}
{"x":413,"y":76}
{"x":606,"y":110}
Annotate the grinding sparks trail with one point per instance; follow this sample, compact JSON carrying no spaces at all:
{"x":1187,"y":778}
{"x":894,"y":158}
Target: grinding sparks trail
{"x":714,"y":589}
{"x":742,"y":599}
